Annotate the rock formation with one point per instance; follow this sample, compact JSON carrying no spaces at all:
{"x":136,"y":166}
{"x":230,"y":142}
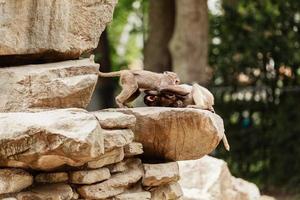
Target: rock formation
{"x":43,"y":31}
{"x":176,"y":133}
{"x":52,"y":148}
{"x":209,"y":178}
{"x":55,"y":85}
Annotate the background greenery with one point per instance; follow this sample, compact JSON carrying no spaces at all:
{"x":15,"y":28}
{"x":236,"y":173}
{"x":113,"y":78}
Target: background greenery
{"x":255,"y":57}
{"x":256,"y":80}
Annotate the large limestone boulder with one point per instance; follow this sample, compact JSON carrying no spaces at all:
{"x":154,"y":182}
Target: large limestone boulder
{"x":48,"y":139}
{"x":209,"y":178}
{"x":50,"y":30}
{"x":176,"y":133}
{"x":56,"y":85}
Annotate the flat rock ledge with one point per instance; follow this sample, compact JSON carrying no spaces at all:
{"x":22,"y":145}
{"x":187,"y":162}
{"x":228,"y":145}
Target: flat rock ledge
{"x":48,"y":139}
{"x":176,"y":133}
{"x":56,"y":85}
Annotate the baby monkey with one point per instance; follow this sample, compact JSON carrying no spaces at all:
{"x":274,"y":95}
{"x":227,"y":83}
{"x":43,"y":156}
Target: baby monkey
{"x":132,"y":81}
{"x":183,"y":95}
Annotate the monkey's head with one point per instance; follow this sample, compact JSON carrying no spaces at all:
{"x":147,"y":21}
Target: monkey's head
{"x":151,"y":100}
{"x":172,"y":78}
{"x":166,"y":100}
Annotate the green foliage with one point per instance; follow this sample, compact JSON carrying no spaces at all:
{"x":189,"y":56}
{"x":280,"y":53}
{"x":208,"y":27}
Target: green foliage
{"x":256,"y":57}
{"x":126,"y":33}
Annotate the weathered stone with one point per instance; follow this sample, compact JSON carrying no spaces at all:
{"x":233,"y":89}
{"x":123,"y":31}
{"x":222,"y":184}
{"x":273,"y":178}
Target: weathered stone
{"x":245,"y":190}
{"x":55,"y":177}
{"x":265,"y":197}
{"x":118,"y":167}
{"x":170,"y":191}
{"x":14,"y":180}
{"x":49,"y":139}
{"x":160,"y":174}
{"x":50,"y":30}
{"x":133,"y":149}
{"x":117,"y":184}
{"x":113,"y":156}
{"x":209,"y":179}
{"x":134,"y":196}
{"x":75,"y":195}
{"x":117,"y":138}
{"x":176,"y":133}
{"x":89,"y":176}
{"x":50,"y":192}
{"x":56,"y":85}
{"x":114,"y":120}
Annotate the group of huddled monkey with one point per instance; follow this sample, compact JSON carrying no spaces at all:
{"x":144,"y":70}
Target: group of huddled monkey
{"x":161,"y":89}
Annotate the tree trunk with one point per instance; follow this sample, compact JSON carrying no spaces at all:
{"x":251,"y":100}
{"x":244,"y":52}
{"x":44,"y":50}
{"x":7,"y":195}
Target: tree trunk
{"x":161,"y":26}
{"x":189,"y":45}
{"x":104,"y":92}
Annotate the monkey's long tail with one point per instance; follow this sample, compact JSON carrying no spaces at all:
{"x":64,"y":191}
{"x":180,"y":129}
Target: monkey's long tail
{"x":110,"y":74}
{"x":225,"y":142}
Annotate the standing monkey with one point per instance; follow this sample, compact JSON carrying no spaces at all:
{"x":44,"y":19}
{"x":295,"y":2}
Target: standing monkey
{"x":132,"y":81}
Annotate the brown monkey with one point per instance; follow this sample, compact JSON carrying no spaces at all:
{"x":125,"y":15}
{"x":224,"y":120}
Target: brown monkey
{"x":132,"y":81}
{"x":183,"y":95}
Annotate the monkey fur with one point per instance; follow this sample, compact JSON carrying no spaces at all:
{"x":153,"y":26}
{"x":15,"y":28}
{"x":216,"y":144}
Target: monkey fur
{"x":183,"y":95}
{"x":132,"y":81}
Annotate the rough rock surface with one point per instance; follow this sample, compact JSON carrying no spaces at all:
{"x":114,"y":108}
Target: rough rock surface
{"x":133,"y":149}
{"x":170,"y":191}
{"x":50,"y":192}
{"x":14,"y":180}
{"x":160,"y":174}
{"x":50,"y":30}
{"x":117,"y":184}
{"x":117,"y":138}
{"x":114,"y":120}
{"x":134,"y":196}
{"x":48,"y":139}
{"x":176,"y":133}
{"x":56,"y":85}
{"x":55,"y":177}
{"x":118,"y":167}
{"x":89,"y":176}
{"x":209,"y":179}
{"x":113,"y":156}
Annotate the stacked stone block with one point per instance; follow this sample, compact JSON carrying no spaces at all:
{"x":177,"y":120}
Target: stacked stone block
{"x":50,"y":146}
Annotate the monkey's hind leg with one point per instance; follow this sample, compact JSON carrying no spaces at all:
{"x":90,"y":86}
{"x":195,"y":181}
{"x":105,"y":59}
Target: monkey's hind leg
{"x":129,"y":88}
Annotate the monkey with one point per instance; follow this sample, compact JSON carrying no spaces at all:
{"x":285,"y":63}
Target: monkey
{"x":132,"y":81}
{"x":183,"y":95}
